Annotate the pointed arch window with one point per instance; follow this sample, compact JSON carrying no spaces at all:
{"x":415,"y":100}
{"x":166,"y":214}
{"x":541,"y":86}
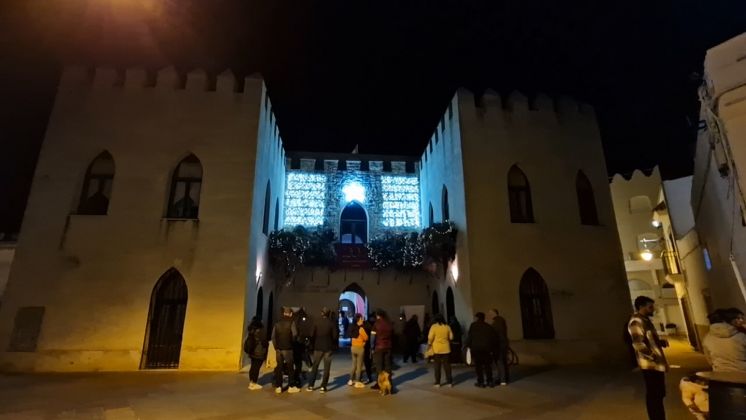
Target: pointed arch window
{"x":519,"y":196}
{"x":586,"y":200}
{"x":165,"y":327}
{"x":267,"y":200}
{"x":353,"y":227}
{"x":96,"y":192}
{"x":536,"y":307}
{"x":445,"y":206}
{"x":430,"y":215}
{"x":186,"y":183}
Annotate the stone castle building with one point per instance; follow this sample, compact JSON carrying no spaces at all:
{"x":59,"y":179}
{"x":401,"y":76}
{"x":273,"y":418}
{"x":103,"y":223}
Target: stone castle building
{"x":144,"y":243}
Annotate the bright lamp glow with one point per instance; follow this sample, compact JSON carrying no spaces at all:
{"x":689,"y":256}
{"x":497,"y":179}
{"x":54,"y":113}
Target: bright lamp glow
{"x":646,"y":255}
{"x":454,"y":269}
{"x":656,"y":223}
{"x":353,"y":191}
{"x":401,"y":201}
{"x":305,"y":199}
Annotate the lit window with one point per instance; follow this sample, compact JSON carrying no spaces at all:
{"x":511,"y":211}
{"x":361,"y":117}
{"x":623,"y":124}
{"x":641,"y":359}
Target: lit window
{"x":708,"y":261}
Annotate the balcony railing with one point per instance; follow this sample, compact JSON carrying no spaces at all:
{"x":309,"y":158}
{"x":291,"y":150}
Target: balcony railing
{"x":671,"y":262}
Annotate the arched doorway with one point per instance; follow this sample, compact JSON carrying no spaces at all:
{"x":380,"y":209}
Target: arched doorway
{"x":352,"y":301}
{"x":436,"y":303}
{"x":353,"y":225}
{"x":165,"y":322}
{"x":259,"y":303}
{"x":270,"y":311}
{"x":536,"y":307}
{"x":450,"y":305}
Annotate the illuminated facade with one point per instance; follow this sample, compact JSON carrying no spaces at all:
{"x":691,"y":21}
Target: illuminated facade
{"x":196,"y":179}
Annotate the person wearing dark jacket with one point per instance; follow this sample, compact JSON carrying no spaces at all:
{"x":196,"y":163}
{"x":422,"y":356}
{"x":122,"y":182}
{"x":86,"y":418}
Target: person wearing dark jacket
{"x":482,"y":341}
{"x":382,"y":336}
{"x":256,"y":346}
{"x":412,"y":334}
{"x":283,"y":335}
{"x":367,"y":356}
{"x":302,"y":344}
{"x":501,"y":351}
{"x":325,"y":339}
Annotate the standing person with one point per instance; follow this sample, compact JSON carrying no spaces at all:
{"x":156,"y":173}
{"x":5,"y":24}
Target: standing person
{"x":439,"y":337}
{"x":456,"y":356}
{"x":325,"y":338}
{"x":482,"y":341}
{"x":256,"y":346}
{"x":283,"y":335}
{"x":412,"y":334}
{"x":367,"y":355}
{"x":302,"y":344}
{"x":345,"y":323}
{"x":501,"y":352}
{"x":381,"y":335}
{"x":724,"y":344}
{"x":359,"y":338}
{"x":649,"y":350}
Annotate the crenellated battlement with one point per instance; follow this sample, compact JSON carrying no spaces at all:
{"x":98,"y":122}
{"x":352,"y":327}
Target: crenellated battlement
{"x":516,"y":104}
{"x":168,"y":78}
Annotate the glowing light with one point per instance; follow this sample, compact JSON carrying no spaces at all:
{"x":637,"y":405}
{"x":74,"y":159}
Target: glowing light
{"x":305,"y":196}
{"x":401,"y":201}
{"x":646,"y":255}
{"x":454,"y":269}
{"x":656,"y":223}
{"x":353,"y":191}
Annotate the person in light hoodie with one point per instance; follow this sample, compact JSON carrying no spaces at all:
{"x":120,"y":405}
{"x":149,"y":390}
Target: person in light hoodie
{"x":725,"y":344}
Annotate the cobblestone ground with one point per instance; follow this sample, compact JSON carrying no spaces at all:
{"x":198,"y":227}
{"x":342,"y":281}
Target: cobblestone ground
{"x":551,"y":393}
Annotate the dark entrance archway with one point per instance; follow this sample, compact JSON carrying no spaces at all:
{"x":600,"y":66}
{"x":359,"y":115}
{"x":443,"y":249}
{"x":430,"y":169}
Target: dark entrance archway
{"x":436,"y":303}
{"x":450,"y":304}
{"x":260,"y":304}
{"x":165,"y":322}
{"x":352,"y":300}
{"x":353,"y":225}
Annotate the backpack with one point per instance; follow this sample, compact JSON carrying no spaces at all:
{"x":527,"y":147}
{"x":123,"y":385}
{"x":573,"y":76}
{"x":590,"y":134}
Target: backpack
{"x":353,"y":331}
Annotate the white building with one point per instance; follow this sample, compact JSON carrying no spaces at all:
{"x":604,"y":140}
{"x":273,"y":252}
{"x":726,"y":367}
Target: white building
{"x":156,"y":194}
{"x":717,"y":189}
{"x":662,"y":255}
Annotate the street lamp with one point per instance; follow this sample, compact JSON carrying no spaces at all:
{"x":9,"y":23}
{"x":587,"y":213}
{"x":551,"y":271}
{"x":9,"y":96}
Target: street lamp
{"x":646,"y":255}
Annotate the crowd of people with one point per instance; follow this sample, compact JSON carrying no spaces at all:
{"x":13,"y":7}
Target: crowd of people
{"x":724,"y":347}
{"x":295,"y":339}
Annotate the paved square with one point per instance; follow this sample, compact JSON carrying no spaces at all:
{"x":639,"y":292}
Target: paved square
{"x":549,"y":393}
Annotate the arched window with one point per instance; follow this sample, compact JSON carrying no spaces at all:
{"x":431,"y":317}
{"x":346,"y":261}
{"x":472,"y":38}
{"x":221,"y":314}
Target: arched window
{"x":536,"y":307}
{"x":445,"y":206}
{"x":519,"y":196}
{"x":277,"y":214}
{"x":259,"y":303}
{"x":586,"y":200}
{"x":435,"y":303}
{"x":165,"y":322}
{"x":96,"y":192}
{"x":450,"y":305}
{"x":430,"y":215}
{"x":353,"y":227}
{"x":267,"y":198}
{"x":186,"y":183}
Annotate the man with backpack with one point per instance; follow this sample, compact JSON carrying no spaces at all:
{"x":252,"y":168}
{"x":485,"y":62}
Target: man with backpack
{"x":358,"y":337}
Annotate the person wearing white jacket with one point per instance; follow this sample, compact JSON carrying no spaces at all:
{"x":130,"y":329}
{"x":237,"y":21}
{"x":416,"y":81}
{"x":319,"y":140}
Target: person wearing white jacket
{"x":725,"y":344}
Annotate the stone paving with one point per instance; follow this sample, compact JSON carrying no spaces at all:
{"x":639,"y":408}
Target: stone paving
{"x":537,"y":393}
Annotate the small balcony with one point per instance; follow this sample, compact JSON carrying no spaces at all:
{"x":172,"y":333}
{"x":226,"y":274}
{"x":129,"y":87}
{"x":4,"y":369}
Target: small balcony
{"x":352,"y":255}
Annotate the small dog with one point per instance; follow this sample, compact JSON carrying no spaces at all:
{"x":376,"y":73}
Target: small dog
{"x":384,"y":383}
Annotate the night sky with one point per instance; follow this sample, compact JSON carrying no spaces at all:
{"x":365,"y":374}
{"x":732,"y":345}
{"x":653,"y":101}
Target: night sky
{"x":380,"y":73}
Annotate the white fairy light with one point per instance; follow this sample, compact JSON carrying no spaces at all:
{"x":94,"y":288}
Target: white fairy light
{"x":305,"y":199}
{"x":401,"y":201}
